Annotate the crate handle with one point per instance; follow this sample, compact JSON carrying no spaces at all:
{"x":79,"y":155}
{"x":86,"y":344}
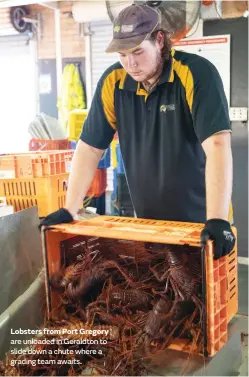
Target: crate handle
{"x":42,"y":147}
{"x":64,"y":185}
{"x":3,"y":201}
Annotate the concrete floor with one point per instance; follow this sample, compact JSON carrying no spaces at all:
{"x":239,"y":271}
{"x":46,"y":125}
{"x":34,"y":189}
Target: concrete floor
{"x":243,"y":370}
{"x":243,"y":320}
{"x":243,"y":289}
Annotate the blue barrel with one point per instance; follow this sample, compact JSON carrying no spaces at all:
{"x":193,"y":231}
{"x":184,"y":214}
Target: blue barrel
{"x":120,"y":164}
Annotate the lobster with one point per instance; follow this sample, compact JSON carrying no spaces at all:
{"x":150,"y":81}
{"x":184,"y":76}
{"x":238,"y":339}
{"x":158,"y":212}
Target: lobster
{"x":60,"y":280}
{"x":185,"y":277}
{"x":163,"y":321}
{"x":155,"y":325}
{"x":158,"y":317}
{"x":92,"y":277}
{"x":130,"y":298}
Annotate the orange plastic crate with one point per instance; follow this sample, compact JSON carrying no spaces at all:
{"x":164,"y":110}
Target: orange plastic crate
{"x":220,"y":282}
{"x":99,"y":184}
{"x":46,"y":145}
{"x":35,"y":164}
{"x":48,"y":193}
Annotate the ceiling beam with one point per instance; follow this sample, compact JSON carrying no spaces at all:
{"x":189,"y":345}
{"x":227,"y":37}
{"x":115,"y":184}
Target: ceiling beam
{"x":12,"y":3}
{"x":50,"y":5}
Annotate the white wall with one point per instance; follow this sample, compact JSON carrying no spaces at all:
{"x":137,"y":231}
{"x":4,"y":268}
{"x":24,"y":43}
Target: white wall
{"x":18,"y":99}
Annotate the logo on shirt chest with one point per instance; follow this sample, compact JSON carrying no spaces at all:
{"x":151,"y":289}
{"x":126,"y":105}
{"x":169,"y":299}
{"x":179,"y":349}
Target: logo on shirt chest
{"x":165,"y":108}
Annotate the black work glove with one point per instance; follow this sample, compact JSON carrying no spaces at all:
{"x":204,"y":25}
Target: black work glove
{"x":58,"y":217}
{"x":221,"y":233}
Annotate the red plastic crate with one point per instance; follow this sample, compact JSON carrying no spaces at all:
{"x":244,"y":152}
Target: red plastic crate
{"x":99,"y":184}
{"x":35,"y":164}
{"x":46,"y":145}
{"x":220,"y":277}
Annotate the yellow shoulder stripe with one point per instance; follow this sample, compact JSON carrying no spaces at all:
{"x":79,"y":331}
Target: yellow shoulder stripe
{"x":107,"y":94}
{"x":230,"y":214}
{"x":186,"y":77}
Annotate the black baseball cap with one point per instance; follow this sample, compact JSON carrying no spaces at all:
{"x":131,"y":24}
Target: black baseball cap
{"x":132,"y":26}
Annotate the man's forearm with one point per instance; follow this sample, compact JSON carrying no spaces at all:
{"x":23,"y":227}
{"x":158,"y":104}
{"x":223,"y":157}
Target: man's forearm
{"x":219,"y":175}
{"x":83,"y":168}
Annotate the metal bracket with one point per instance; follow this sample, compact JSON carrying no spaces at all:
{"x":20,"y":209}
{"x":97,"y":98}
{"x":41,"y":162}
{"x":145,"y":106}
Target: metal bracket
{"x":30,"y":20}
{"x":36,"y":25}
{"x":86,"y":26}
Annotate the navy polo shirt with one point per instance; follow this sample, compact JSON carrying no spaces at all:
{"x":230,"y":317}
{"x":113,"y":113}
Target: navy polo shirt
{"x":161,"y":132}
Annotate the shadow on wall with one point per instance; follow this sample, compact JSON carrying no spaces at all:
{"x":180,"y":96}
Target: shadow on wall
{"x":240,"y":185}
{"x":238,"y":29}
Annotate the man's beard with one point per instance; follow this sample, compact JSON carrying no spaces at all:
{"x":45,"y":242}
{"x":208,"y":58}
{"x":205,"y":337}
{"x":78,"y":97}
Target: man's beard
{"x":156,"y":73}
{"x":158,"y":68}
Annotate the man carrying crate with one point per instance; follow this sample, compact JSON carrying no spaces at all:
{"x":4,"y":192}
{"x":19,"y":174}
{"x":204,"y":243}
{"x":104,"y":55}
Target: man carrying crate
{"x":171,"y":114}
